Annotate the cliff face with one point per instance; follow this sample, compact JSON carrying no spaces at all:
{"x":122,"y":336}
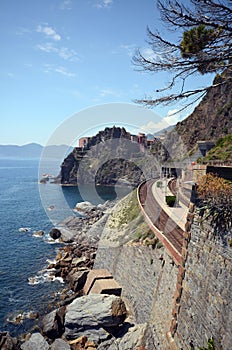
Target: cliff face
{"x":205,"y":306}
{"x":107,"y":134}
{"x":210,"y":120}
{"x":146,"y":273}
{"x":150,"y":282}
{"x":110,"y":158}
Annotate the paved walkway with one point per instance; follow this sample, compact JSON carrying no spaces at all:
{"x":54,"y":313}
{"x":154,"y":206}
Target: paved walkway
{"x":166,"y":230}
{"x":177,"y":214}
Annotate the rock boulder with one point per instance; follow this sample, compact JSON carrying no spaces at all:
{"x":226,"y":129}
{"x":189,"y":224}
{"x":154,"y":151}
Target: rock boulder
{"x":53,"y":324}
{"x":6,"y":342}
{"x":55,"y":233}
{"x":77,"y":280}
{"x":60,"y":344}
{"x":84,"y":207}
{"x":36,"y":342}
{"x":94,"y":316}
{"x":134,"y":338}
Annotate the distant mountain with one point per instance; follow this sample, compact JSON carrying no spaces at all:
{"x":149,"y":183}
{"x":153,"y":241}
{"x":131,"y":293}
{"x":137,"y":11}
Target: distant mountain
{"x":164,"y":131}
{"x":31,"y":150}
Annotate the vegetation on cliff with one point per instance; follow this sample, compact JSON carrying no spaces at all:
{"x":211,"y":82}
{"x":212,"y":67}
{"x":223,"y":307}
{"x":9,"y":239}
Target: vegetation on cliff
{"x":126,"y":224}
{"x":222,"y":150}
{"x":215,"y":200}
{"x":210,"y":120}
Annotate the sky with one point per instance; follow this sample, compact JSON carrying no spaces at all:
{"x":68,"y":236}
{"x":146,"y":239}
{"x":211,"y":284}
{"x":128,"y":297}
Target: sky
{"x":62,"y":58}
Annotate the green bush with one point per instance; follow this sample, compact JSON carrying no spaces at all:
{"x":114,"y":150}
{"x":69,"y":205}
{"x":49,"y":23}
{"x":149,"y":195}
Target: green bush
{"x":159,"y":184}
{"x":210,"y":345}
{"x":170,"y":200}
{"x":159,"y":245}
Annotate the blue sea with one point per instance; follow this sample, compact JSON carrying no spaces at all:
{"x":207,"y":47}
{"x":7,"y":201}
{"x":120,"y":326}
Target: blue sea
{"x":24,"y":203}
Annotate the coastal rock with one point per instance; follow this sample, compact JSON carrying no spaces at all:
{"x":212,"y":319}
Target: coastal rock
{"x":60,"y":344}
{"x":55,"y":233}
{"x":77,"y":280}
{"x":79,"y":343}
{"x":53,"y":324}
{"x":6,"y":342}
{"x":84,"y":207}
{"x":133,"y":339}
{"x":67,"y":235}
{"x":73,"y":263}
{"x":103,"y":206}
{"x":91,"y":315}
{"x":36,"y":342}
{"x":39,"y":233}
{"x":112,"y":170}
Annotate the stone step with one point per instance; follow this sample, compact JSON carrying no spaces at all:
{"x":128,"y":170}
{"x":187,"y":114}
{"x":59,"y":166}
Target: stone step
{"x":95,"y":275}
{"x":106,"y":286}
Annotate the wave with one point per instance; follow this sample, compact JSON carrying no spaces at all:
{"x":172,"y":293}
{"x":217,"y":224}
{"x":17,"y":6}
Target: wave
{"x":20,"y":317}
{"x":37,"y":235}
{"x":44,"y":276}
{"x":48,"y":239}
{"x":24,"y":229}
{"x":51,"y":261}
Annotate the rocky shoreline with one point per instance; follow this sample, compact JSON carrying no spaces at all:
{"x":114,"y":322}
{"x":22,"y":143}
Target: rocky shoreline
{"x":79,"y":321}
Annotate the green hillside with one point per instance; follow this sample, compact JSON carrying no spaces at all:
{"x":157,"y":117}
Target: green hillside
{"x":222,"y":150}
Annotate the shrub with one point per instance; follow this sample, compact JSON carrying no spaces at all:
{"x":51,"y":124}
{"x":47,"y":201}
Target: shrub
{"x":215,"y":196}
{"x":210,"y":345}
{"x":159,"y":245}
{"x":159,"y":184}
{"x":170,"y":200}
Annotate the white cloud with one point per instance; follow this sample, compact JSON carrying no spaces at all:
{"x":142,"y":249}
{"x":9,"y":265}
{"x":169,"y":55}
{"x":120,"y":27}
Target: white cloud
{"x":63,"y":52}
{"x":102,"y":93}
{"x":172,"y":117}
{"x":22,"y":31}
{"x":109,"y":92}
{"x":68,"y":54}
{"x":60,"y":70}
{"x":48,"y":47}
{"x":104,"y":3}
{"x":49,"y":32}
{"x":66,"y":5}
{"x":10,"y":75}
{"x":130,"y":49}
{"x":64,"y":71}
{"x":148,"y":54}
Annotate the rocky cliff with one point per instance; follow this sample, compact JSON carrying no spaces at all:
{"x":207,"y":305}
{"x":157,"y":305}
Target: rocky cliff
{"x":200,"y":302}
{"x":210,"y":120}
{"x":110,"y":158}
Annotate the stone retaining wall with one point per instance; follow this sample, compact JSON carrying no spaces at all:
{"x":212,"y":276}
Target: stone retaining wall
{"x":183,"y":305}
{"x":205,"y":306}
{"x":148,"y":279}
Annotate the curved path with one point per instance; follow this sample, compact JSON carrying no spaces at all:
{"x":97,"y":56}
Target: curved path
{"x":182,"y":198}
{"x":161,"y":224}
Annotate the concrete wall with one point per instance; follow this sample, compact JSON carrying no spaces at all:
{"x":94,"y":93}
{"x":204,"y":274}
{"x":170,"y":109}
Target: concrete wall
{"x":192,"y":303}
{"x":148,"y":279}
{"x":205,"y":306}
